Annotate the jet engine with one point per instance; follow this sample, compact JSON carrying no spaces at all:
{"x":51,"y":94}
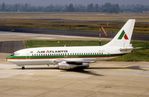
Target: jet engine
{"x":64,"y":65}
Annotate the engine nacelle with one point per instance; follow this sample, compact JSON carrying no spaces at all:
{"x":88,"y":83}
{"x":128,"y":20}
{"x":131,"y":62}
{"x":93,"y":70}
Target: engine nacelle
{"x":72,"y":65}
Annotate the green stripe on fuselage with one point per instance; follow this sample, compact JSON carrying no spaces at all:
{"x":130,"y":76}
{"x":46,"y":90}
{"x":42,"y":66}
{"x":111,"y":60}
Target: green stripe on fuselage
{"x":61,"y":56}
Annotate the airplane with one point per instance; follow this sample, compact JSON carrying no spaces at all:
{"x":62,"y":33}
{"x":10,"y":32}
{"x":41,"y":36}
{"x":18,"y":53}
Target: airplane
{"x":73,"y":57}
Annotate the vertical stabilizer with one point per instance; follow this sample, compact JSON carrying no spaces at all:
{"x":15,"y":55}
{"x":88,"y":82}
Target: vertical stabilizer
{"x":123,"y":37}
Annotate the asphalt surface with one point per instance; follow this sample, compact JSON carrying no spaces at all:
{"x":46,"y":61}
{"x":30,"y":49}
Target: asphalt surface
{"x":103,"y":79}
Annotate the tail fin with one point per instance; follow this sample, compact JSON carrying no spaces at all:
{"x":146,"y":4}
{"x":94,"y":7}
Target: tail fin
{"x":123,"y":37}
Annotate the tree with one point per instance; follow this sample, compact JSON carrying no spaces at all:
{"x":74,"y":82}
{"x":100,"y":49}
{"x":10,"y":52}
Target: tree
{"x":110,"y":8}
{"x":70,"y":8}
{"x":90,"y":7}
{"x":16,"y":7}
{"x":3,"y":6}
{"x":97,"y":8}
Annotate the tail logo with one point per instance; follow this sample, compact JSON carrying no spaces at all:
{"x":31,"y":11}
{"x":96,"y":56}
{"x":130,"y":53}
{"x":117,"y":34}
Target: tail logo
{"x":123,"y":34}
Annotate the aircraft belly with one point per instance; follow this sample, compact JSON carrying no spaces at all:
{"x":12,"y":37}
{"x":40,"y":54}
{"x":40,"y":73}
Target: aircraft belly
{"x":31,"y":61}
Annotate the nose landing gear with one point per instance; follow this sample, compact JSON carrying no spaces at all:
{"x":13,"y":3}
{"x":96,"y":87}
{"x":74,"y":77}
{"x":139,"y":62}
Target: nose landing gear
{"x":23,"y":67}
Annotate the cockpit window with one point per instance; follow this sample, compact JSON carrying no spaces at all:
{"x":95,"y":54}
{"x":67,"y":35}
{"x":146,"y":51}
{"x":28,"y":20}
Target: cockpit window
{"x":15,"y":54}
{"x":12,"y":54}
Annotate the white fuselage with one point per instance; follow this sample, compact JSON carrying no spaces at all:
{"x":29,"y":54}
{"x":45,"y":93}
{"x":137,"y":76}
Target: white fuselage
{"x":53,"y":55}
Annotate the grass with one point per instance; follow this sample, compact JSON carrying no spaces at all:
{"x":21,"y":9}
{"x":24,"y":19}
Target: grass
{"x":110,"y":26}
{"x":51,"y":43}
{"x":136,"y":55}
{"x":141,"y":54}
{"x":73,"y":21}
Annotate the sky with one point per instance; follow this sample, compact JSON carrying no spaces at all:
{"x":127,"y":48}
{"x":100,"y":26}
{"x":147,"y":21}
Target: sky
{"x":63,"y":2}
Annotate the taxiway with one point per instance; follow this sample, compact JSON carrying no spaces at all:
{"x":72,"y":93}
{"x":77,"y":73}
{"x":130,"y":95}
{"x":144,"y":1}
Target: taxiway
{"x":102,"y":79}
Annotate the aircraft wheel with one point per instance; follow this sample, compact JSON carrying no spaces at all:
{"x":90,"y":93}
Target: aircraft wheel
{"x":23,"y":68}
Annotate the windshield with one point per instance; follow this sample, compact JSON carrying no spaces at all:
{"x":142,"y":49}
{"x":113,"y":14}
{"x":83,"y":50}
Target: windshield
{"x":12,"y":54}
